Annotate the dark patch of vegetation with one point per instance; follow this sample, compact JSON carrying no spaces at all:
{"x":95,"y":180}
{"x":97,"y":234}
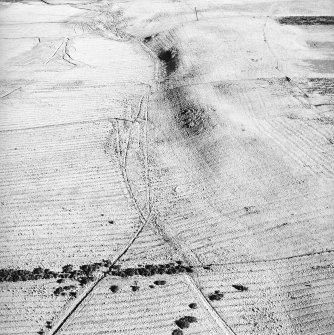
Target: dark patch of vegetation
{"x":217,"y":295}
{"x":14,"y":275}
{"x":207,"y":267}
{"x":177,"y":332}
{"x":38,"y":271}
{"x":160,"y":282}
{"x":62,"y":289}
{"x":150,"y":270}
{"x":111,"y":221}
{"x":135,"y":288}
{"x":114,"y":288}
{"x":240,"y":287}
{"x":67,"y":268}
{"x":193,"y":305}
{"x":73,"y":294}
{"x":185,"y":321}
{"x":85,"y":274}
{"x":170,"y":59}
{"x":58,"y":291}
{"x":307,"y":20}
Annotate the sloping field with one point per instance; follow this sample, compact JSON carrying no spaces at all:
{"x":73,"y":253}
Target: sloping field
{"x":26,"y":308}
{"x":166,"y":167}
{"x":57,"y":207}
{"x":289,"y":296}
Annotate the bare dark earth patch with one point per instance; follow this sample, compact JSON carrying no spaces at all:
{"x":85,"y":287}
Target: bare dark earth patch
{"x":306,"y":20}
{"x":190,"y":116}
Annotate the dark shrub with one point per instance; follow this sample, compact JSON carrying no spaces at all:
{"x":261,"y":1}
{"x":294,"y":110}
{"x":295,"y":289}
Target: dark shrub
{"x":83,"y":281}
{"x":171,"y":271}
{"x":47,"y":276}
{"x":114,"y":288}
{"x":129,"y":272}
{"x":67,"y":268}
{"x":58,"y":290}
{"x":240,"y":287}
{"x":153,"y":271}
{"x":182,"y":323}
{"x":87,"y":269}
{"x":147,"y":39}
{"x":69,"y":287}
{"x":216,"y":296}
{"x":107,"y":263}
{"x":177,"y":332}
{"x":59,"y":281}
{"x":193,"y":305}
{"x":73,"y":294}
{"x":185,"y":321}
{"x":190,"y":319}
{"x":160,"y":282}
{"x":38,"y":271}
{"x":135,"y":288}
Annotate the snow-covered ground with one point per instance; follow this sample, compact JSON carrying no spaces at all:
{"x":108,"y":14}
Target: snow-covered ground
{"x":149,"y":132}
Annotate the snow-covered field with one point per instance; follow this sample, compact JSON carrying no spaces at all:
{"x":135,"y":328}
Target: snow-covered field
{"x":174,"y":153}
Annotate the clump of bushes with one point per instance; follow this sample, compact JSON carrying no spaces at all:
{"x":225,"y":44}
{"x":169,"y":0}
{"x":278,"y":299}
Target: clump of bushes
{"x":151,"y":270}
{"x":177,"y":332}
{"x":193,"y":305}
{"x":62,"y":290}
{"x":73,"y":294}
{"x":240,"y":287}
{"x":67,"y":268}
{"x":217,"y":295}
{"x":185,"y":321}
